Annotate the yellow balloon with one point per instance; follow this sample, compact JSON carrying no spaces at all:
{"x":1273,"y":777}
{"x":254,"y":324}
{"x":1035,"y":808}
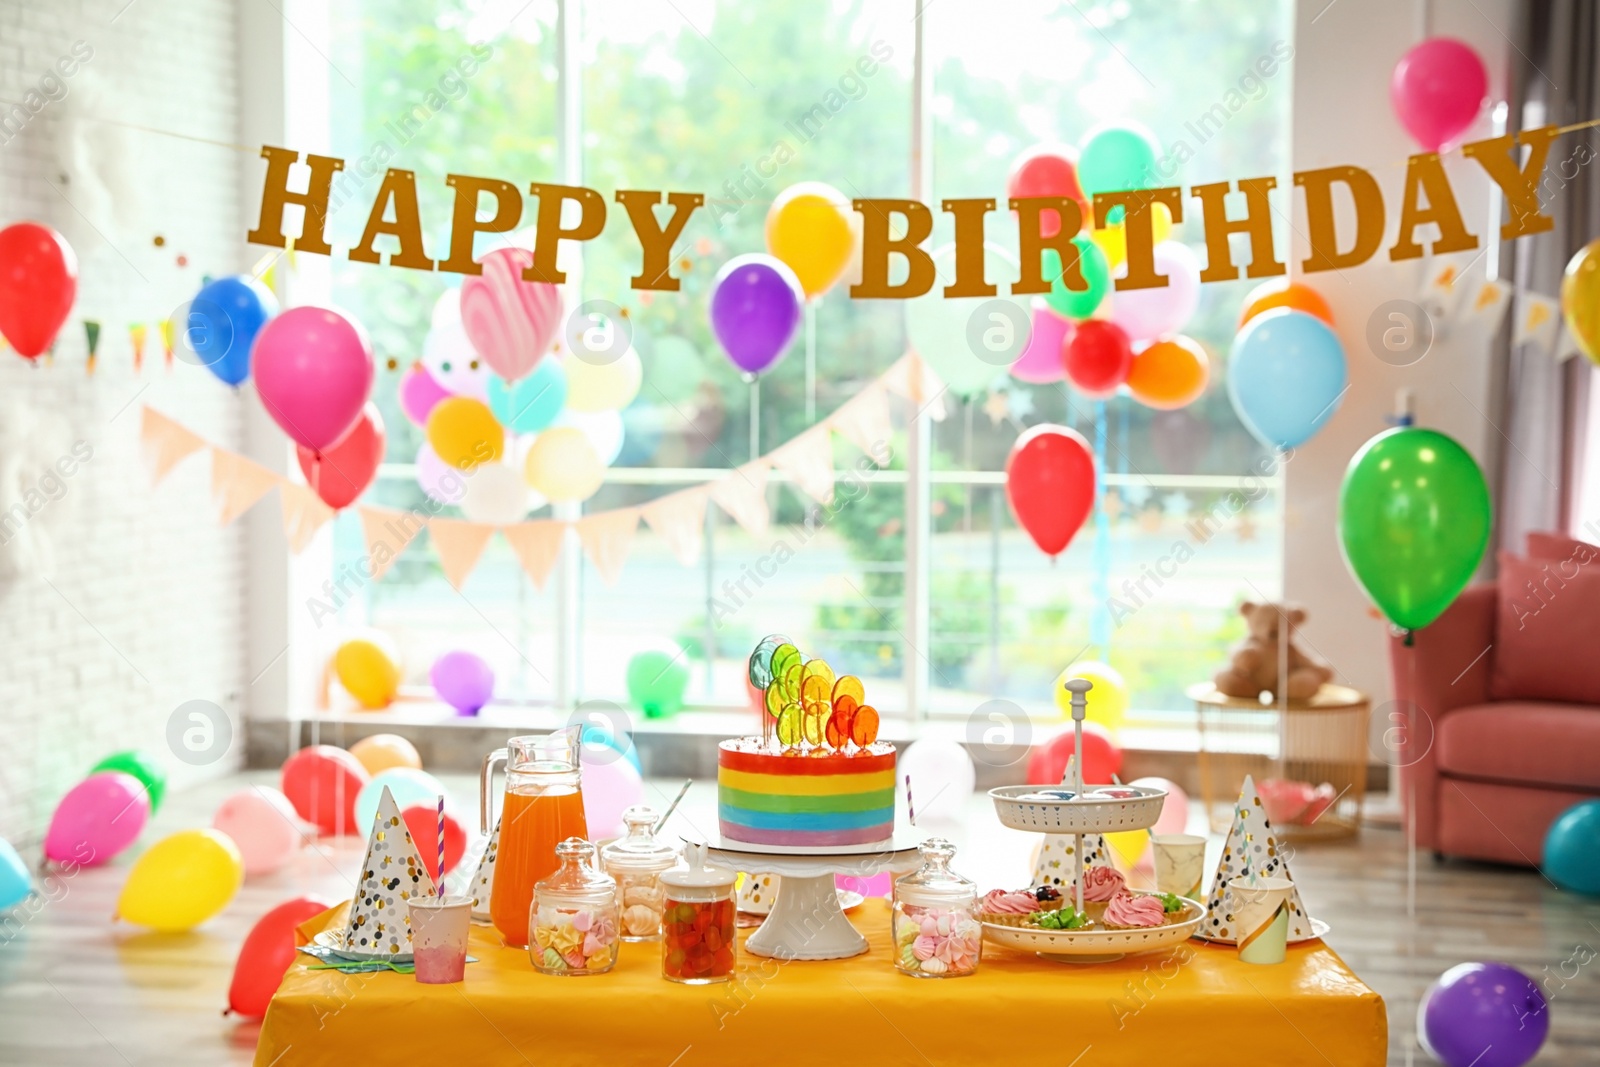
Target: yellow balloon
{"x":368,"y":672}
{"x":182,"y":881}
{"x":811,"y":227}
{"x":1580,"y":299}
{"x":464,"y":433}
{"x":1107,"y":700}
{"x":608,"y":386}
{"x":384,"y":752}
{"x":1129,"y":844}
{"x":1113,"y":238}
{"x":563,"y":466}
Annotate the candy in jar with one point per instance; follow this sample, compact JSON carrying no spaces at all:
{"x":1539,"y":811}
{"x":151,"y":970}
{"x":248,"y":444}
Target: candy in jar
{"x":636,"y":861}
{"x":699,"y":942}
{"x":573,"y":925}
{"x":934,"y":918}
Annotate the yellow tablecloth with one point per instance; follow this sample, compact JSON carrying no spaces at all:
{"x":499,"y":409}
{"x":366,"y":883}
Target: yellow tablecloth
{"x":1196,"y":1004}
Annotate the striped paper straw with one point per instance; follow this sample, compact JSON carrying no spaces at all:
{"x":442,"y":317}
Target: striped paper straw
{"x":911,"y":809}
{"x":439,"y":881}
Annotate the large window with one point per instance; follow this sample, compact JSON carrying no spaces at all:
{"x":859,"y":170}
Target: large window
{"x":699,"y":96}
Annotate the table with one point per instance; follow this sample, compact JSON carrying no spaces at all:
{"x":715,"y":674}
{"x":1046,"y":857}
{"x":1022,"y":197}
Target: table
{"x":1195,"y":1005}
{"x":1322,"y":739}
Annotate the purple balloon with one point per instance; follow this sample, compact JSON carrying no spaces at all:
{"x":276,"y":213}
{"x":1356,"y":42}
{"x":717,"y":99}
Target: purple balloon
{"x":98,"y":818}
{"x":462,"y":680}
{"x":755,"y":307}
{"x":1484,"y":1014}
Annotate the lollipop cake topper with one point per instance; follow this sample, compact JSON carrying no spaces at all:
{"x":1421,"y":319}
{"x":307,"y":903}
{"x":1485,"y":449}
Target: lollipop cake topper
{"x":806,"y":705}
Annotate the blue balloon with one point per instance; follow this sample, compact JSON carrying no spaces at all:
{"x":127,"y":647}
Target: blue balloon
{"x":532,"y":403}
{"x":407,"y":785}
{"x":596,"y":735}
{"x":1572,"y":849}
{"x":15,"y":881}
{"x":1286,"y":376}
{"x":223,"y":321}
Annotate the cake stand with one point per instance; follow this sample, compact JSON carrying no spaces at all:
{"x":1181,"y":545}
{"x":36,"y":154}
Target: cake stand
{"x":806,"y":922}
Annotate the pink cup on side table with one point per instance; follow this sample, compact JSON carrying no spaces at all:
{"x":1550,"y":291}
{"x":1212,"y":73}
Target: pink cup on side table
{"x":439,"y":927}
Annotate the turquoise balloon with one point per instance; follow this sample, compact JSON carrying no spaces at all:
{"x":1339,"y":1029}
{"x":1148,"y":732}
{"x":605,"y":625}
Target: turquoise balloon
{"x":1286,"y":376}
{"x":15,"y":880}
{"x":1117,"y":159}
{"x":595,"y":735}
{"x":1572,"y":849}
{"x":532,"y":403}
{"x":408,"y":786}
{"x":1078,"y":304}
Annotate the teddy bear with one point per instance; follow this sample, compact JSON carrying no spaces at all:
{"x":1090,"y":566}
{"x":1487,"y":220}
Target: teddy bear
{"x":1253,"y":667}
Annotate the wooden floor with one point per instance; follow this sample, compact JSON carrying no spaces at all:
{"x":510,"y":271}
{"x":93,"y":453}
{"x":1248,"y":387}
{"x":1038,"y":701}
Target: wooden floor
{"x":75,"y":989}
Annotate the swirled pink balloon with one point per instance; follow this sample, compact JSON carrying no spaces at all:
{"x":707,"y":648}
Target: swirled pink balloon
{"x":510,"y":322}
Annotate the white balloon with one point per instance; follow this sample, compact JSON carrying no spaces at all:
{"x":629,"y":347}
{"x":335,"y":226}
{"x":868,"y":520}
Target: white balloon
{"x":440,"y":481}
{"x":454,"y":363}
{"x":603,"y":429}
{"x":447,"y":309}
{"x":495,"y":494}
{"x":942,"y":779}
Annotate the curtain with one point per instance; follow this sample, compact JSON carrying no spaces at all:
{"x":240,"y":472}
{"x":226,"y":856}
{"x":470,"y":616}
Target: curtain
{"x":1544,"y":405}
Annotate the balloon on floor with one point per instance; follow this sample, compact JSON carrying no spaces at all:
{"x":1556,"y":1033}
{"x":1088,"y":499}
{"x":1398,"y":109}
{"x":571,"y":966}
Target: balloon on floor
{"x":182,"y":881}
{"x":322,"y":782}
{"x":16,"y":881}
{"x":1483,"y":1015}
{"x":380,"y":752}
{"x":266,"y":954}
{"x":1572,"y":849}
{"x":142,"y":766}
{"x":264,"y":825}
{"x":942,"y":778}
{"x":98,"y":818}
{"x":368,"y":670}
{"x":408,"y":786}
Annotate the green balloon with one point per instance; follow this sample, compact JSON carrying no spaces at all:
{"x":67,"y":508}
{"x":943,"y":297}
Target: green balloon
{"x":1075,"y":303}
{"x":1414,"y":518}
{"x":1117,"y":159}
{"x":657,"y":682}
{"x":143,"y":767}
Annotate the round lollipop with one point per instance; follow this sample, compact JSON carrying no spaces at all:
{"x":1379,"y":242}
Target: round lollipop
{"x":782,"y":657}
{"x":864,"y":726}
{"x":789,"y":724}
{"x":839,"y":722}
{"x":849,"y":685}
{"x":761,"y":660}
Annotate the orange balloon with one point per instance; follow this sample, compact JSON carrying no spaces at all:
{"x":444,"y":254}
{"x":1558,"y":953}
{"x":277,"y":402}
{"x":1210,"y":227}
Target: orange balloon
{"x":1282,"y":293}
{"x":1171,"y":373}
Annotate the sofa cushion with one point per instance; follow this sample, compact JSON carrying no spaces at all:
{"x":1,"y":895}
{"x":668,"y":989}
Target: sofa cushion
{"x":1556,"y":746}
{"x":1545,"y":626}
{"x":1548,"y":544}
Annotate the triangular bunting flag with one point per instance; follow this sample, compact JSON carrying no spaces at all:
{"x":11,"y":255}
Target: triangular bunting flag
{"x":136,"y":334}
{"x":1055,"y":864}
{"x":387,"y":533}
{"x":1250,"y":852}
{"x":1489,"y":303}
{"x":808,"y":459}
{"x":743,"y":495}
{"x":303,"y":514}
{"x":458,"y":544}
{"x":1537,"y":319}
{"x":91,"y":333}
{"x":1567,"y":346}
{"x":237,"y":483}
{"x":538,"y":546}
{"x":391,"y":874}
{"x":912,"y":378}
{"x":482,"y":884}
{"x":864,"y":421}
{"x":607,"y":538}
{"x":164,"y":443}
{"x":679,"y":519}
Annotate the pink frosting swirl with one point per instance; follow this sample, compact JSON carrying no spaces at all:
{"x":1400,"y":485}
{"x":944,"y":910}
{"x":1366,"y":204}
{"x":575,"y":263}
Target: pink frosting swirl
{"x":1001,"y":902}
{"x":1101,"y":884}
{"x":1129,"y":910}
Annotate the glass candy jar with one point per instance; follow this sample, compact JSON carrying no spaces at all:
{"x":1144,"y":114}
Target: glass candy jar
{"x":698,"y":935}
{"x":573,"y":924}
{"x":636,"y":862}
{"x":935,"y":917}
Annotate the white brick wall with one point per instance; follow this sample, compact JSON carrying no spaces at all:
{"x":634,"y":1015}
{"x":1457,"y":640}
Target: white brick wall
{"x":143,"y":607}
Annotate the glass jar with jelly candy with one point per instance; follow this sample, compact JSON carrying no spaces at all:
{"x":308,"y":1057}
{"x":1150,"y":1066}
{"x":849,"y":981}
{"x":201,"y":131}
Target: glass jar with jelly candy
{"x":699,"y":942}
{"x":637,"y":861}
{"x":573,"y":922}
{"x":935,"y":917}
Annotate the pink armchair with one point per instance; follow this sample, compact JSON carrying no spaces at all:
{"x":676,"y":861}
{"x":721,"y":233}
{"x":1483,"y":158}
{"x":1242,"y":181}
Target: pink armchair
{"x":1487,"y":777}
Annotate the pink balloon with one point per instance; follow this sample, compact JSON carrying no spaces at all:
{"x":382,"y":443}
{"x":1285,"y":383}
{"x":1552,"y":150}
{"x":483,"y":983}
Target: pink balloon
{"x":419,"y":391}
{"x":610,"y":785}
{"x":1437,"y":90}
{"x":510,"y":322}
{"x":263,"y":824}
{"x":1040,"y":363}
{"x":313,"y":370}
{"x":1174,"y":810}
{"x":98,"y":818}
{"x":1145,"y":314}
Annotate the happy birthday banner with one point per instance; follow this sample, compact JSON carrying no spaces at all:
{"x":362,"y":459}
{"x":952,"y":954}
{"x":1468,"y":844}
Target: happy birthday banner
{"x":578,"y":213}
{"x":239,"y":483}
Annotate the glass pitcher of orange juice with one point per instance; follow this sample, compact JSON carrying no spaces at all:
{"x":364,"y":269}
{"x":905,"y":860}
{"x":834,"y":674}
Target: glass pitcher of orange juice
{"x":543,"y":807}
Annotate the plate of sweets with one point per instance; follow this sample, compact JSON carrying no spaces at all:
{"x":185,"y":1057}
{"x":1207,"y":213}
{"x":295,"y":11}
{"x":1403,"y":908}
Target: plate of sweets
{"x":1115,"y":921}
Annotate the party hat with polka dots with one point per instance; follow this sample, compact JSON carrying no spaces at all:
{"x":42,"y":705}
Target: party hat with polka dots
{"x":1054,"y":865}
{"x":1251,"y":851}
{"x":391,"y":874}
{"x":482,"y":884}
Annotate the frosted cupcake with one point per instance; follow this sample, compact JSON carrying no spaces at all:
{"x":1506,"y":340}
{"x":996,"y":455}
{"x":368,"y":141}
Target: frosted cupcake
{"x":1101,"y":885}
{"x":1012,"y":907}
{"x":1134,"y":912}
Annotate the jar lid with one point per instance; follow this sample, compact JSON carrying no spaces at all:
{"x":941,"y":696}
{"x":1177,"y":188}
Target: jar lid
{"x":934,"y":883}
{"x":577,"y":873}
{"x":697,"y":873}
{"x":640,"y":849}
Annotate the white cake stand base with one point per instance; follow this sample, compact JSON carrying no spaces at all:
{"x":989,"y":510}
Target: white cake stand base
{"x":805,"y":922}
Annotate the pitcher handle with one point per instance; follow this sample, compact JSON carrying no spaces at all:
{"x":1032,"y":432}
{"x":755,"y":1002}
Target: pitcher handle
{"x":485,"y":790}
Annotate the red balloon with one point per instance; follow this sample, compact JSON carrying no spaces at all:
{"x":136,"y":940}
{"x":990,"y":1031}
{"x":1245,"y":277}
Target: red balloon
{"x":322,"y":783}
{"x":38,"y":282}
{"x":1050,"y":483}
{"x":266,"y":954}
{"x":344,"y":471}
{"x":1101,"y":757}
{"x":1047,"y":170}
{"x":423,"y":822}
{"x":1098,"y":358}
